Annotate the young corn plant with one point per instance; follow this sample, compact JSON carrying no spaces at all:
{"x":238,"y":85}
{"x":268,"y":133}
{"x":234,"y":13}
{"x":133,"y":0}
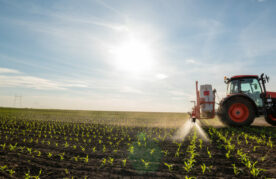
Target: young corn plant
{"x":3,"y":146}
{"x":110,"y":160}
{"x":82,"y":148}
{"x":165,"y":152}
{"x":27,"y":175}
{"x":269,"y":143}
{"x":66,"y":145}
{"x":86,"y":159}
{"x":131,"y":149}
{"x":152,"y":151}
{"x":200,"y":143}
{"x":228,"y":154}
{"x":61,"y":156}
{"x":103,"y":162}
{"x":66,"y":171}
{"x":186,"y":177}
{"x":11,"y":172}
{"x":170,"y":166}
{"x":76,"y":158}
{"x":29,"y":150}
{"x":2,"y":168}
{"x":237,"y":171}
{"x":256,"y":171}
{"x":203,"y":168}
{"x":146,"y":164}
{"x":124,"y":162}
{"x":50,"y":155}
{"x":13,"y":147}
{"x":209,"y":153}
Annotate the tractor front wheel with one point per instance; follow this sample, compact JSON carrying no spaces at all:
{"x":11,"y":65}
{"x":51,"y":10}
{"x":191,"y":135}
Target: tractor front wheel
{"x":237,"y":111}
{"x":271,"y":119}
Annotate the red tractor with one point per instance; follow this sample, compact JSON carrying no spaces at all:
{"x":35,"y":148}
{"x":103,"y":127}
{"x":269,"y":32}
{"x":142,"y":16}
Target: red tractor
{"x":246,"y":99}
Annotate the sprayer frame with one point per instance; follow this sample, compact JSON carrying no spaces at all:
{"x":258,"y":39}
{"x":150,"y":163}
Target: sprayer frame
{"x":199,"y":101}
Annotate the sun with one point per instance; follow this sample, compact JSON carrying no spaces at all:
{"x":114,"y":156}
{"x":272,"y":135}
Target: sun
{"x":133,"y":55}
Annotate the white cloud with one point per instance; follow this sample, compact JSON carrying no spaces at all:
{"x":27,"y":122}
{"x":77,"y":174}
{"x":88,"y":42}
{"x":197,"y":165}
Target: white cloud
{"x":20,"y":80}
{"x":8,"y":70}
{"x":191,"y":61}
{"x":161,"y":76}
{"x":29,"y":82}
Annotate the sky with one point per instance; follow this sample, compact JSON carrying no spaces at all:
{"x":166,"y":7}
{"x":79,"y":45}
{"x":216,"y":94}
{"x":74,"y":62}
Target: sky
{"x":130,"y":55}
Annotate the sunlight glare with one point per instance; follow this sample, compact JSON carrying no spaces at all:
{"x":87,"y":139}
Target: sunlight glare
{"x":133,"y":56}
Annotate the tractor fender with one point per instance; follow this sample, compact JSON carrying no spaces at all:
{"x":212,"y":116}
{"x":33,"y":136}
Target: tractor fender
{"x":229,"y":97}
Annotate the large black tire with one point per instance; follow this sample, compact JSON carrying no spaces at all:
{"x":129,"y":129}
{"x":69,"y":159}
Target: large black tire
{"x":236,"y":111}
{"x":271,"y":119}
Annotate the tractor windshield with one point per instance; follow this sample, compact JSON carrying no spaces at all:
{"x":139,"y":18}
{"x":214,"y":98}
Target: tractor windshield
{"x":249,"y":86}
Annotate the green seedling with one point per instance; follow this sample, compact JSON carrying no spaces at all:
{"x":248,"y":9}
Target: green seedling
{"x":236,"y":169}
{"x":228,"y":154}
{"x":146,"y":164}
{"x":66,"y":171}
{"x":50,"y":154}
{"x":74,"y":147}
{"x":131,"y":149}
{"x":209,"y":153}
{"x":61,"y":155}
{"x":66,"y":144}
{"x":152,"y":151}
{"x":11,"y":172}
{"x":200,"y":143}
{"x":86,"y":159}
{"x":124,"y":162}
{"x":13,"y":147}
{"x":165,"y":152}
{"x":110,"y":160}
{"x":170,"y":166}
{"x":29,"y":150}
{"x":203,"y":168}
{"x":256,"y":171}
{"x":3,"y":146}
{"x":2,"y":168}
{"x":103,"y":161}
{"x":27,"y":175}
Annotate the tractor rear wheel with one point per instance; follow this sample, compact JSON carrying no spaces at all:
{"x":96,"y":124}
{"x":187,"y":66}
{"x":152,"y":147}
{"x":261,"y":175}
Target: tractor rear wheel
{"x":271,"y":119}
{"x":237,"y":111}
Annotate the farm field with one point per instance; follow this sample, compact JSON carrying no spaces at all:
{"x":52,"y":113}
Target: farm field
{"x":99,"y":144}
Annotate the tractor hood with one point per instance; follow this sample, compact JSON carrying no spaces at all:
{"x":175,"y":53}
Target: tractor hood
{"x":272,"y":94}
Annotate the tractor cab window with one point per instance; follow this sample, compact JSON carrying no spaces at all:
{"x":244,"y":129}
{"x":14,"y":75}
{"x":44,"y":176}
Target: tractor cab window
{"x":233,"y":87}
{"x":251,"y":87}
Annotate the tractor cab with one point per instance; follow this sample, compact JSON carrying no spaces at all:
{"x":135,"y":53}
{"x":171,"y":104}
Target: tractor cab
{"x":248,"y":85}
{"x":246,"y":99}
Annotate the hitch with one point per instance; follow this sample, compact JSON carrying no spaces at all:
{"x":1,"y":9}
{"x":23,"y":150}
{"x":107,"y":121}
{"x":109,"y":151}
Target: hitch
{"x":193,"y":119}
